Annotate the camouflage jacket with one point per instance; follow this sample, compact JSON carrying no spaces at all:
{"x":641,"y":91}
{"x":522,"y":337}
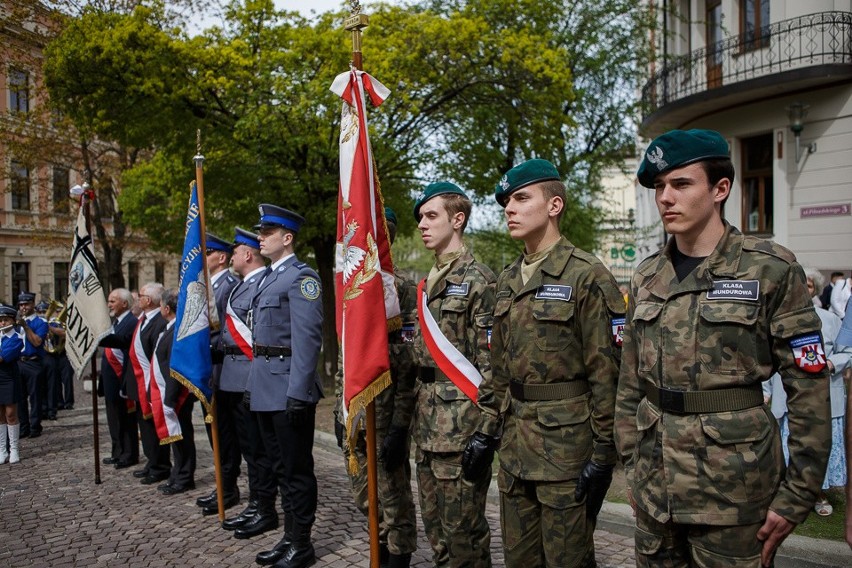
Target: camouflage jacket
{"x":557,"y":328}
{"x":395,"y":405}
{"x":444,"y":417}
{"x":732,"y":322}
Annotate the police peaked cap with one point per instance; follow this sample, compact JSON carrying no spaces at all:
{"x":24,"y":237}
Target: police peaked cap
{"x":243,"y":237}
{"x":8,"y":311}
{"x":215,"y":243}
{"x":678,"y":148}
{"x":434,"y":190}
{"x":42,"y":306}
{"x":522,"y":175}
{"x":26,"y":297}
{"x":274,"y":216}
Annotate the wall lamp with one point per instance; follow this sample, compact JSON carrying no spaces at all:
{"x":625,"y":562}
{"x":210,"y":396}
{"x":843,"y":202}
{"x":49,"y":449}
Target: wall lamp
{"x":797,"y":112}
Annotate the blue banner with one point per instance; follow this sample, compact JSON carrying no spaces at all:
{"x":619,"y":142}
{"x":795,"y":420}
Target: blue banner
{"x":190,"y":362}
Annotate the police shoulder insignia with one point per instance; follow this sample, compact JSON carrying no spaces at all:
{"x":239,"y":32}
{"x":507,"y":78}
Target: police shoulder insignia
{"x":808,"y":352}
{"x":310,"y":288}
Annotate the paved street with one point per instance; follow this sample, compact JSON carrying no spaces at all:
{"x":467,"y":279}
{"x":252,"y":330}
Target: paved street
{"x":52,"y":513}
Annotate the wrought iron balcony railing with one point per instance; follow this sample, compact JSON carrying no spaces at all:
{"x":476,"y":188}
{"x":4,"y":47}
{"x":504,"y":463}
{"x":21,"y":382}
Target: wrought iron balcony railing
{"x":818,"y":39}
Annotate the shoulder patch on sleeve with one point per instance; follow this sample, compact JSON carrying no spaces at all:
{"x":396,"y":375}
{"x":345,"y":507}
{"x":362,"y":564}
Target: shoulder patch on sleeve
{"x":771,"y":248}
{"x":310,"y":288}
{"x":808,"y":352}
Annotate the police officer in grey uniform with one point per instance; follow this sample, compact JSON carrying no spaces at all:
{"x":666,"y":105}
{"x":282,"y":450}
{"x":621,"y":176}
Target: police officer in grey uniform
{"x":283,"y":384}
{"x":222,"y":281}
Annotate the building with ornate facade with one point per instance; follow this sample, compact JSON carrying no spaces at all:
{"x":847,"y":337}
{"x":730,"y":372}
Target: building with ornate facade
{"x":775,"y":78}
{"x":39,"y":165}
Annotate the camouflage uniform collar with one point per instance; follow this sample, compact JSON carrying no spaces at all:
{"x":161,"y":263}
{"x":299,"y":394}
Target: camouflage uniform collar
{"x":723,"y":262}
{"x":455,"y":273}
{"x":553,"y":265}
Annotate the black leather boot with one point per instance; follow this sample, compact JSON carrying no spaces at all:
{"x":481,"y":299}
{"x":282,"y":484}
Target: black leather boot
{"x":384,"y":555}
{"x":269,"y":557}
{"x":399,"y":560}
{"x":207,"y":500}
{"x":231,"y":499}
{"x":265,"y":519}
{"x":300,"y":553}
{"x":233,"y":523}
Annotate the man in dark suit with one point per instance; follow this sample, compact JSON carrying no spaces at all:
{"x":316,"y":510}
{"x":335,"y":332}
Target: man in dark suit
{"x":151,"y":324}
{"x":222,"y":282}
{"x":283,"y":384}
{"x":236,"y":345}
{"x":121,"y":417}
{"x":177,"y":397}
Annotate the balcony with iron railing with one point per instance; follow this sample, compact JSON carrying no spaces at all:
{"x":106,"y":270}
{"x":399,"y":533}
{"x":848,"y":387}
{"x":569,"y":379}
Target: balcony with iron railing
{"x":801,"y":53}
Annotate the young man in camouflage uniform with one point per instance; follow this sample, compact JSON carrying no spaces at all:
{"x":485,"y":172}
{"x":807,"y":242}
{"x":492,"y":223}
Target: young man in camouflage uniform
{"x":555,"y":352}
{"x":394,"y":408}
{"x":710,"y":317}
{"x":456,"y":302}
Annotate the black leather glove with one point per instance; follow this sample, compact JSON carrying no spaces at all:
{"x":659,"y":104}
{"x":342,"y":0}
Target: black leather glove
{"x":247,"y":400}
{"x":297,"y":411}
{"x":592,"y":486}
{"x":339,"y":431}
{"x":478,"y":455}
{"x":394,"y":450}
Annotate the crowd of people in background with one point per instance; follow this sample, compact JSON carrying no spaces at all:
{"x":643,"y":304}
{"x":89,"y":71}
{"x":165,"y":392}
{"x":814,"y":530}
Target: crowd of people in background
{"x":720,"y":345}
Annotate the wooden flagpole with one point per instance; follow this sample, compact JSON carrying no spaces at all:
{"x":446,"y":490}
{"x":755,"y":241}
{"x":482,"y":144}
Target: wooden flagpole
{"x":355,"y":23}
{"x":214,"y":427}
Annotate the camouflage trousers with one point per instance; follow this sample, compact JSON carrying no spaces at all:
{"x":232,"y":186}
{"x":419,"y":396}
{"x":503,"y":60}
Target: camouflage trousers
{"x":670,"y":545}
{"x":543,"y":526}
{"x":397,"y":514}
{"x":453,"y":511}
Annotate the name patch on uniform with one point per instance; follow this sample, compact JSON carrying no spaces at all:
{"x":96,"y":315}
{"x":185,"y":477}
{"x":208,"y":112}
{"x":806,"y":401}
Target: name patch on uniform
{"x":554,"y":292}
{"x":618,"y":330}
{"x":457,"y":289}
{"x":734,"y":290}
{"x":808,"y":352}
{"x":310,"y":288}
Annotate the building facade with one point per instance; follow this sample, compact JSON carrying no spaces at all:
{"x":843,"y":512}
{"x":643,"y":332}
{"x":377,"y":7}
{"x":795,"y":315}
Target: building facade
{"x":39,"y":166}
{"x":775,"y":78}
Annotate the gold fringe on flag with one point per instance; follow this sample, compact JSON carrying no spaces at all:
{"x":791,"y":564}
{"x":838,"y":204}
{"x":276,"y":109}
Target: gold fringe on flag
{"x":358,"y":404}
{"x":208,"y":419}
{"x":171,"y":439}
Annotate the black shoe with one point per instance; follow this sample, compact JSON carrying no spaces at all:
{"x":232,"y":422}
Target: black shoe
{"x":298,"y":555}
{"x":261,"y":522}
{"x":109,"y":461}
{"x":231,"y":500}
{"x":399,"y":560}
{"x":35,"y":434}
{"x":24,"y":434}
{"x":51,"y":417}
{"x":269,"y":557}
{"x":125,"y":464}
{"x":140,"y":473}
{"x":176,"y":489}
{"x":152,"y":479}
{"x":162,"y":486}
{"x":69,"y":407}
{"x":207,"y":499}
{"x":233,"y":523}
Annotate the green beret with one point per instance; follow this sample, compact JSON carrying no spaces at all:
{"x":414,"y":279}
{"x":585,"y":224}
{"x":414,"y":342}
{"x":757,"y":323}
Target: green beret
{"x":434,"y":190}
{"x":678,"y":148}
{"x":522,"y":175}
{"x":390,"y":216}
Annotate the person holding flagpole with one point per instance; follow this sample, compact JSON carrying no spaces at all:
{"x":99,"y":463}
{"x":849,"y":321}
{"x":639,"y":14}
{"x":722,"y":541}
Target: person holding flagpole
{"x":222,"y":282}
{"x":394,"y":410}
{"x":555,"y":353}
{"x":283,"y":384}
{"x":455,"y":304}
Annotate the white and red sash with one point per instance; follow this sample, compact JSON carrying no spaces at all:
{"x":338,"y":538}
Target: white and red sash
{"x":141,"y":369}
{"x":449,"y":359}
{"x":115,"y":358}
{"x":165,"y":417}
{"x":239,"y":331}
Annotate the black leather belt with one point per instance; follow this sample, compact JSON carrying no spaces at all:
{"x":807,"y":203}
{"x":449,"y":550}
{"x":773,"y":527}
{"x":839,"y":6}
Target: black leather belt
{"x":551,"y":391}
{"x":271,"y":351}
{"x":30,"y":358}
{"x":232,"y":350}
{"x":706,"y":401}
{"x":432,"y":374}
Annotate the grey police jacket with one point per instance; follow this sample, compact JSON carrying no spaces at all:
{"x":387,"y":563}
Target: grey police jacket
{"x":286,"y":313}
